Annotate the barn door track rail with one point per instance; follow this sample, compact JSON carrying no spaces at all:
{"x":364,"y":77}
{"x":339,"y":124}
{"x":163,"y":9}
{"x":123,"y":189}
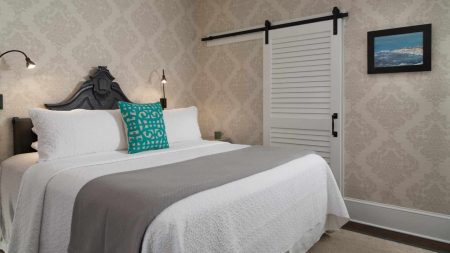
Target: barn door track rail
{"x":336,"y":14}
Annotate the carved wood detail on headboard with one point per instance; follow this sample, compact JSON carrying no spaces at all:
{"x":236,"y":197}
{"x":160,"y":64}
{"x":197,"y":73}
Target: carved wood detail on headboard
{"x":97,"y":93}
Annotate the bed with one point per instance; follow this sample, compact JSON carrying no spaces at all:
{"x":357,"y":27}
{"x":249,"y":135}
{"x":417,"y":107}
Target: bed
{"x":285,"y":208}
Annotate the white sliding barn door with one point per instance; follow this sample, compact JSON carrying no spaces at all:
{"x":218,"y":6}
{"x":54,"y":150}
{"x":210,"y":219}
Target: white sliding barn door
{"x":302,"y":90}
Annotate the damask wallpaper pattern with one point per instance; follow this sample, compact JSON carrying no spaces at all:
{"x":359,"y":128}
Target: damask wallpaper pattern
{"x":397,"y":126}
{"x":397,"y":129}
{"x":136,"y":39}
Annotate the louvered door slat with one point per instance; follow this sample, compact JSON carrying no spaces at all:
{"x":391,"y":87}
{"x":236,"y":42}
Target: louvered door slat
{"x":298,"y":43}
{"x":281,"y":130}
{"x":295,"y":64}
{"x":302,"y":58}
{"x":300,"y":69}
{"x":301,"y":48}
{"x":302,"y":54}
{"x":299,"y":74}
{"x":300,"y":89}
{"x":309,"y":137}
{"x":300,"y":106}
{"x":303,"y":79}
{"x":298,"y":37}
{"x":306,"y":84}
{"x":300,"y":95}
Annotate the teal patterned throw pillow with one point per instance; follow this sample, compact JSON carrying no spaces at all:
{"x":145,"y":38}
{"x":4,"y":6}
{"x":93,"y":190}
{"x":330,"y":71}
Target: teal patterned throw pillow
{"x":145,"y":126}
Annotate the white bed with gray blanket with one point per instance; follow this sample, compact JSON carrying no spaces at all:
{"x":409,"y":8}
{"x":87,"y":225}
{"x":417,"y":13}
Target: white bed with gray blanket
{"x":284,"y":208}
{"x":82,"y":192}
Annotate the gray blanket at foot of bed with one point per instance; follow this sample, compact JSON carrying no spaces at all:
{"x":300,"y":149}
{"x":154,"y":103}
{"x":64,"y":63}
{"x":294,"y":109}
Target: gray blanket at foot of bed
{"x":112,"y":212}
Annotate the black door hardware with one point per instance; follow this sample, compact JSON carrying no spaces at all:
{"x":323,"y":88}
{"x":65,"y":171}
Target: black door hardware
{"x":333,"y":132}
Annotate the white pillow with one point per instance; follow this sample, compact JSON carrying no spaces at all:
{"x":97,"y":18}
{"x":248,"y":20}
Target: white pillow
{"x":78,"y":132}
{"x":182,"y":124}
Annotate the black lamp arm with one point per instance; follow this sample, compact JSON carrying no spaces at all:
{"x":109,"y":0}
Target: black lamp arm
{"x":18,"y":51}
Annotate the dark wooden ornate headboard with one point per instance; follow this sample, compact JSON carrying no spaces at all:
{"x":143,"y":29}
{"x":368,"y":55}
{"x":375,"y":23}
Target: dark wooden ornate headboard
{"x":100,"y":92}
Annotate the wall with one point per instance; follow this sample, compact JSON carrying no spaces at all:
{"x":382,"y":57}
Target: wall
{"x":135,"y":39}
{"x":397,"y":126}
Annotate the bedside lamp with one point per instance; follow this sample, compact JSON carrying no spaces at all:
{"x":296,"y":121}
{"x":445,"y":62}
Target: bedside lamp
{"x":29,"y":64}
{"x":163,"y":100}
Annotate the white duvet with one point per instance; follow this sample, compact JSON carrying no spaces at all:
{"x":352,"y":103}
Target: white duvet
{"x":286,"y":208}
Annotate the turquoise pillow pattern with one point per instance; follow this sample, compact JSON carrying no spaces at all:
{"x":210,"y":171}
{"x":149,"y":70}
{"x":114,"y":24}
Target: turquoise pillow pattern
{"x":145,"y":126}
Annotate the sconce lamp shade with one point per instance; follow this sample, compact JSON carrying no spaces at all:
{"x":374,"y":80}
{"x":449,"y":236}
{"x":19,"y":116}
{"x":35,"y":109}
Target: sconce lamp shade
{"x":29,"y":63}
{"x":163,"y":79}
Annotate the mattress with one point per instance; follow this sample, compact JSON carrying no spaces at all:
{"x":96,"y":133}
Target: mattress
{"x":287,"y":207}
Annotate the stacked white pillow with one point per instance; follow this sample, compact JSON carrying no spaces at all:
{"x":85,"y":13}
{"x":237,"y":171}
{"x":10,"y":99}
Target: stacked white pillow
{"x":79,"y":132}
{"x":182,"y":124}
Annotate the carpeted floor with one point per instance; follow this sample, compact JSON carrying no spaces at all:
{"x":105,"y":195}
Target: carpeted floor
{"x":344,"y":241}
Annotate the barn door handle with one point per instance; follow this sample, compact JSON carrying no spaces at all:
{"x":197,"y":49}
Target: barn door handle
{"x":333,"y":117}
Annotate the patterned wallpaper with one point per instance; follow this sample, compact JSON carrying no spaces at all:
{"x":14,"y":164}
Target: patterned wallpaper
{"x":136,"y":39}
{"x":397,"y":126}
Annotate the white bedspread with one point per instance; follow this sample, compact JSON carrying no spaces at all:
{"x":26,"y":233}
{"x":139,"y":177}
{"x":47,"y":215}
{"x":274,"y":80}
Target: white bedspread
{"x":11,"y":172}
{"x":282,"y":209}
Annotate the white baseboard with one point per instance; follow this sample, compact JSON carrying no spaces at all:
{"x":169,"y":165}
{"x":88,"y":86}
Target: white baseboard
{"x":419,"y":223}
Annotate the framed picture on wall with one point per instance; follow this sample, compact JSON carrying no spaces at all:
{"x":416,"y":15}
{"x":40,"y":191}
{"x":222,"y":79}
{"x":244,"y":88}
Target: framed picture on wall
{"x":404,"y":49}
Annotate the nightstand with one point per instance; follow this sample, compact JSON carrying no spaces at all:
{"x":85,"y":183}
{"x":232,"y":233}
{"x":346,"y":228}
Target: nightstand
{"x":224,"y":139}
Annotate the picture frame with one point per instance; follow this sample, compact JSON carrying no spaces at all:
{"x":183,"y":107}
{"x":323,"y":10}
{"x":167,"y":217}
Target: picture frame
{"x":404,"y":49}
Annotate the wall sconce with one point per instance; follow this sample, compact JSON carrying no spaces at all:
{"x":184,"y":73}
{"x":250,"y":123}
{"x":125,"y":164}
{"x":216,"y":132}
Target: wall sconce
{"x":29,"y":64}
{"x":163,"y":100}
